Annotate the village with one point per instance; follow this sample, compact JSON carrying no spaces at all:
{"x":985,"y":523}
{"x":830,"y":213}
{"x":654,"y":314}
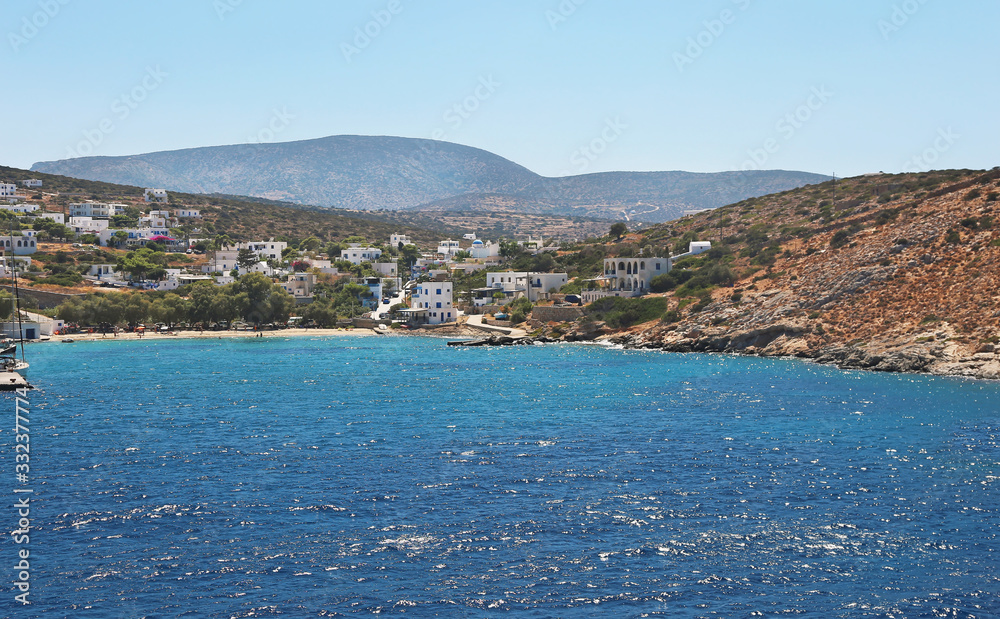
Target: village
{"x":393,"y":283}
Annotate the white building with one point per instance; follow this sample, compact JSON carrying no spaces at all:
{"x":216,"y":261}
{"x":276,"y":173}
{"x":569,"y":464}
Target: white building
{"x":355,"y":254}
{"x":431,"y":303}
{"x":448,"y":247}
{"x":19,"y":245}
{"x":157,"y":219}
{"x":399,"y":240}
{"x":7,"y":190}
{"x":88,"y":225}
{"x":267,"y":250}
{"x":223,"y":261}
{"x":155,"y":195}
{"x":20,"y":209}
{"x":627,"y":277}
{"x":532,"y":285}
{"x":31,"y":182}
{"x":103,"y":272}
{"x":192,"y":213}
{"x":59,"y":218}
{"x":95,"y":209}
{"x":300,"y":286}
{"x":469,"y":237}
{"x":484,"y":251}
{"x":386,"y":269}
{"x":21,"y":263}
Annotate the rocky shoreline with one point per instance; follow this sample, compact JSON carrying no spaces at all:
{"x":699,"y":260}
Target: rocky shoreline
{"x":933,"y":354}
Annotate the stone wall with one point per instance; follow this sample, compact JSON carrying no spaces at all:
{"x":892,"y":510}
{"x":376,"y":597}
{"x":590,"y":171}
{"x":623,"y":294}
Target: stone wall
{"x":43,"y":298}
{"x":556,"y":314}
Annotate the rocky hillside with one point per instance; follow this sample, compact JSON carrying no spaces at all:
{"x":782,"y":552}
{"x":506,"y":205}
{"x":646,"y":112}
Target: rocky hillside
{"x":377,"y":172}
{"x":885,"y":272}
{"x":238,"y":217}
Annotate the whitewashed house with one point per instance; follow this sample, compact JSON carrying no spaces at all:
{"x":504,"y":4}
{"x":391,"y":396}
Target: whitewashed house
{"x":20,"y":209}
{"x":267,"y":250}
{"x":300,"y":286}
{"x":188,"y":213}
{"x":95,"y":209}
{"x":448,"y":248}
{"x":59,"y":218}
{"x":626,"y":277}
{"x":399,"y":240}
{"x":431,"y":303}
{"x":532,"y":285}
{"x":155,"y":195}
{"x":88,"y":225}
{"x":7,"y":190}
{"x":18,"y":245}
{"x":386,"y":269}
{"x":31,"y":182}
{"x":356,"y":254}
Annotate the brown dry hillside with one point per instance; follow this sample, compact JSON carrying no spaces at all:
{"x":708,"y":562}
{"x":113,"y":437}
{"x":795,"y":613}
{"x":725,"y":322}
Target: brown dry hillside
{"x":889,"y":272}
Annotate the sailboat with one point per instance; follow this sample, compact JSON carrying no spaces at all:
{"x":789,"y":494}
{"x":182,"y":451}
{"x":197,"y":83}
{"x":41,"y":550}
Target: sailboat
{"x":11,"y":368}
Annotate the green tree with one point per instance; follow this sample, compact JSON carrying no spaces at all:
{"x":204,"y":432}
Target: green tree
{"x":136,"y":309}
{"x":618,"y":230}
{"x":310,"y":243}
{"x":260,"y":301}
{"x":247,"y":258}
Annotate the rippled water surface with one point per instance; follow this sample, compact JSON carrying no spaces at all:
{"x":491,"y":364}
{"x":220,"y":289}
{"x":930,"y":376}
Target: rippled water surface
{"x":333,"y":476}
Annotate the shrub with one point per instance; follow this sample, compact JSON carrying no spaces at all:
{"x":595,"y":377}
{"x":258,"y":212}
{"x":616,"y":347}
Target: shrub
{"x":839,"y":238}
{"x":972,"y":195}
{"x":671,"y":316}
{"x":620,"y":313}
{"x":953,"y":237}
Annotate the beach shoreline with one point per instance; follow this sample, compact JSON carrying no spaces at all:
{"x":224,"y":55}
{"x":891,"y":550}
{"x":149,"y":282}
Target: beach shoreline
{"x":179,"y":335}
{"x":460,"y":332}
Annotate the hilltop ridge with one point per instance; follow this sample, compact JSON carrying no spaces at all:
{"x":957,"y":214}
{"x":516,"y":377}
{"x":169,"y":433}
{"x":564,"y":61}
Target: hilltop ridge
{"x":882,"y":272}
{"x":383,"y":172}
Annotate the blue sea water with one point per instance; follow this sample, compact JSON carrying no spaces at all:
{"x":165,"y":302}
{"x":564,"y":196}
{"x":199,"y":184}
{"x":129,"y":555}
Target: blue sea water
{"x":394,"y":475}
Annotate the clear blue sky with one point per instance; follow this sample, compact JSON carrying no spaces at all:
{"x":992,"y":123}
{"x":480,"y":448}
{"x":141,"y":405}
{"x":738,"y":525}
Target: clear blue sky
{"x":560,"y":87}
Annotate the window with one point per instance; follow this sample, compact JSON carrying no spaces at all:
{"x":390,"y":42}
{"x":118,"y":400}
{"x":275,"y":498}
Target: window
{"x":439,"y":305}
{"x":657,"y":266}
{"x":439,"y":292}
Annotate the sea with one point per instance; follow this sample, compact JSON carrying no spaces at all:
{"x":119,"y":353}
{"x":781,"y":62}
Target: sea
{"x":395,"y":475}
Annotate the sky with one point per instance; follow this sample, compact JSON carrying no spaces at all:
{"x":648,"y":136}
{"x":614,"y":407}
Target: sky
{"x":561,"y":87}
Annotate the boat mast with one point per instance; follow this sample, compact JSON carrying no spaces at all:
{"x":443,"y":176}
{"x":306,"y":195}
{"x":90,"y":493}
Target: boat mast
{"x":16,"y":305}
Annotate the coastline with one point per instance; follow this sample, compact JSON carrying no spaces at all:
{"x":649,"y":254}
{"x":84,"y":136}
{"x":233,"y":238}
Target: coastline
{"x":178,"y":335}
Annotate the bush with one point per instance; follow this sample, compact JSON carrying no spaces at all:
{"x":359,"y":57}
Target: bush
{"x":671,"y":316}
{"x":839,"y":238}
{"x":953,"y":237}
{"x":620,"y":313}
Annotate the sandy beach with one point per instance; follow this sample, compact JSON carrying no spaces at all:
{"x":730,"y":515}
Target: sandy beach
{"x":458,"y":330}
{"x":174,"y":335}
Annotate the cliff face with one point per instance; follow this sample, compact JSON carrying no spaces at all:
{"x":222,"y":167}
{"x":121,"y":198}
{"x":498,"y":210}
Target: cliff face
{"x":896,"y":273}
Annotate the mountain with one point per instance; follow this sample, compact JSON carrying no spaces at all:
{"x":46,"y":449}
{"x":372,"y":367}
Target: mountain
{"x":379,"y":172}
